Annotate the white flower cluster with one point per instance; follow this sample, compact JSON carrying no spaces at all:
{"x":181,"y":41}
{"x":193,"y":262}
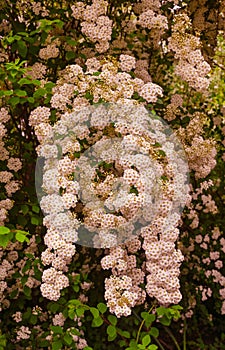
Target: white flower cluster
{"x":123,"y":267}
{"x":163,"y":259}
{"x":119,"y":295}
{"x":94,"y":22}
{"x":191,"y":65}
{"x":101,"y":192}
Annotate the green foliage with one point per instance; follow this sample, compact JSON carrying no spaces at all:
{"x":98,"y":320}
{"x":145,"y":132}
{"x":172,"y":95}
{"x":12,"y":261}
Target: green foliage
{"x":7,"y":235}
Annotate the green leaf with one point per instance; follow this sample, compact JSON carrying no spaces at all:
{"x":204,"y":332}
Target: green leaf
{"x":4,"y":240}
{"x":25,"y":81}
{"x":4,"y":230}
{"x":27,"y":291}
{"x":14,"y":100}
{"x":70,"y":55}
{"x":35,"y":221}
{"x":102,"y":307}
{"x":57,"y":345}
{"x":20,"y":93}
{"x":71,"y":42}
{"x":112,"y":319}
{"x":6,"y":93}
{"x":125,"y":334}
{"x":152,"y":347}
{"x":97,"y":322}
{"x":94,"y":312}
{"x":24,"y":209}
{"x":31,"y":99}
{"x":71,"y":314}
{"x":22,"y":48}
{"x":39,"y":93}
{"x":57,"y":329}
{"x":146,"y":340}
{"x":33,"y":319}
{"x":165,"y":320}
{"x":21,"y":237}
{"x":53,"y":307}
{"x":80,"y":311}
{"x":111,"y":330}
{"x":154,"y":332}
{"x":149,"y":318}
{"x":35,"y":208}
{"x":49,"y":85}
{"x":68,"y":339}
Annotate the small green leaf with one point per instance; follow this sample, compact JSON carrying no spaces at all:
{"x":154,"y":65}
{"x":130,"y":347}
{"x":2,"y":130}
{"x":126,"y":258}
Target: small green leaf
{"x":39,"y":93}
{"x":27,"y":291}
{"x":80,"y":312}
{"x":125,"y":334}
{"x":24,"y":209}
{"x":6,"y":93}
{"x":35,"y":208}
{"x":97,"y":322}
{"x":94,"y":312}
{"x":14,"y":100}
{"x":4,"y":240}
{"x":111,"y":330}
{"x":20,"y":93}
{"x":57,"y":329}
{"x":68,"y":339}
{"x":154,"y":332}
{"x":35,"y":221}
{"x":31,"y":99}
{"x":102,"y":307}
{"x":4,"y":230}
{"x":57,"y":345}
{"x":21,"y":237}
{"x":70,"y":55}
{"x":33,"y":319}
{"x":112,"y":319}
{"x":152,"y":347}
{"x":146,"y":340}
{"x":22,"y":48}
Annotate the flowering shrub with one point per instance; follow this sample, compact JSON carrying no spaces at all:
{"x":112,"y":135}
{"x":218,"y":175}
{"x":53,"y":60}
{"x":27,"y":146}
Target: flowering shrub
{"x":112,"y":175}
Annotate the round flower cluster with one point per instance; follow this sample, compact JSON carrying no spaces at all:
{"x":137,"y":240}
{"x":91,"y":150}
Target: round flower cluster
{"x":149,"y":19}
{"x":119,"y":295}
{"x":39,"y":115}
{"x":150,"y":92}
{"x":54,"y":281}
{"x":50,"y":51}
{"x":127,"y":63}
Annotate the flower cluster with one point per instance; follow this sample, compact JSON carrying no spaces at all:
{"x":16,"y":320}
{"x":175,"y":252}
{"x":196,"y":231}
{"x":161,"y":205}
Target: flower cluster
{"x":12,"y":165}
{"x":94,"y":22}
{"x":191,"y":65}
{"x":163,"y":259}
{"x":116,"y":196}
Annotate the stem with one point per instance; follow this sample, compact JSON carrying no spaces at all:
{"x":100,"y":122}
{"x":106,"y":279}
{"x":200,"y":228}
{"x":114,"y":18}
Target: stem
{"x":159,"y":344}
{"x":173,"y":338}
{"x":141,"y":325}
{"x":184,"y":335}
